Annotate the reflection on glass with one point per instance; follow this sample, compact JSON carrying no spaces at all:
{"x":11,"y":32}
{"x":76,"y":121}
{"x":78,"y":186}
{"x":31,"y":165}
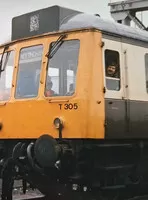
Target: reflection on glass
{"x":113,"y":84}
{"x":29,"y":72}
{"x":70,"y":82}
{"x":6,"y":75}
{"x":62,"y":70}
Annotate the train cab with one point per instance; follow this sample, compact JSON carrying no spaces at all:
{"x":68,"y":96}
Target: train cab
{"x":67,"y":104}
{"x":52,"y":76}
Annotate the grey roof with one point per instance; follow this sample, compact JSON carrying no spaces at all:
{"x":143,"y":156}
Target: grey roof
{"x":91,"y":21}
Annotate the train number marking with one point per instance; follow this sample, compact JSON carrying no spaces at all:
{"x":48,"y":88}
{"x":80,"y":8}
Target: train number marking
{"x":68,"y":106}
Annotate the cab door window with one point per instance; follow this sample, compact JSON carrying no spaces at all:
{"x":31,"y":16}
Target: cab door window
{"x":6,"y":75}
{"x":29,"y":69}
{"x":112,"y":70}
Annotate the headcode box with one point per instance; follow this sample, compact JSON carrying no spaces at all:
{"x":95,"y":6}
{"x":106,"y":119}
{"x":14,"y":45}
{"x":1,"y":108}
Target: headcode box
{"x":40,"y":21}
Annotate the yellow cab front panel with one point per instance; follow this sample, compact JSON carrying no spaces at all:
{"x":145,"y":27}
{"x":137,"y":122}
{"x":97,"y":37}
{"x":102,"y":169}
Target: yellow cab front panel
{"x":77,"y":60}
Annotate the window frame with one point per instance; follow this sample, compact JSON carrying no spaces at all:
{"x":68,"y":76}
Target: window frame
{"x":119,"y":66}
{"x":47,"y":67}
{"x":146,"y":72}
{"x":17,"y":72}
{"x":10,"y":49}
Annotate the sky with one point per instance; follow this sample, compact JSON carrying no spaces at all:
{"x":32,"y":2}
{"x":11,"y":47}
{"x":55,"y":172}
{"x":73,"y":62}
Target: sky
{"x":12,"y":8}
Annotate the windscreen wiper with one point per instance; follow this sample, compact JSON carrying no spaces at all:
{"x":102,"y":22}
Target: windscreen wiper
{"x":1,"y":61}
{"x":56,"y":46}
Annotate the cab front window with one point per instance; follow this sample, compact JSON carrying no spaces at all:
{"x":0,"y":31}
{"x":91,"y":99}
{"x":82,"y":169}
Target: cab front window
{"x":62,"y":69}
{"x":29,"y":72}
{"x":6,"y":75}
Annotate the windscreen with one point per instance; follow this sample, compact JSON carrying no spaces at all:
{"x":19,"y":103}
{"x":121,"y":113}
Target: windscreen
{"x":29,"y":69}
{"x":62,"y":69}
{"x":6,"y":75}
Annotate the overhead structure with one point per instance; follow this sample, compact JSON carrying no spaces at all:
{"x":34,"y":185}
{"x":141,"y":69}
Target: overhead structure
{"x":125,"y":11}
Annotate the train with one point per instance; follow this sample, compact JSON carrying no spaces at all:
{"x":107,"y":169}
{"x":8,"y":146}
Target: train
{"x":74,"y":106}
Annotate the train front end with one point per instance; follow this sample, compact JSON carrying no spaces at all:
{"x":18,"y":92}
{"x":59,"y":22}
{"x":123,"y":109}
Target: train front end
{"x":51,"y":110}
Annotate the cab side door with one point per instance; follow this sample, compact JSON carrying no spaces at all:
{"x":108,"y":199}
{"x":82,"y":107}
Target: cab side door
{"x":116,"y":120}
